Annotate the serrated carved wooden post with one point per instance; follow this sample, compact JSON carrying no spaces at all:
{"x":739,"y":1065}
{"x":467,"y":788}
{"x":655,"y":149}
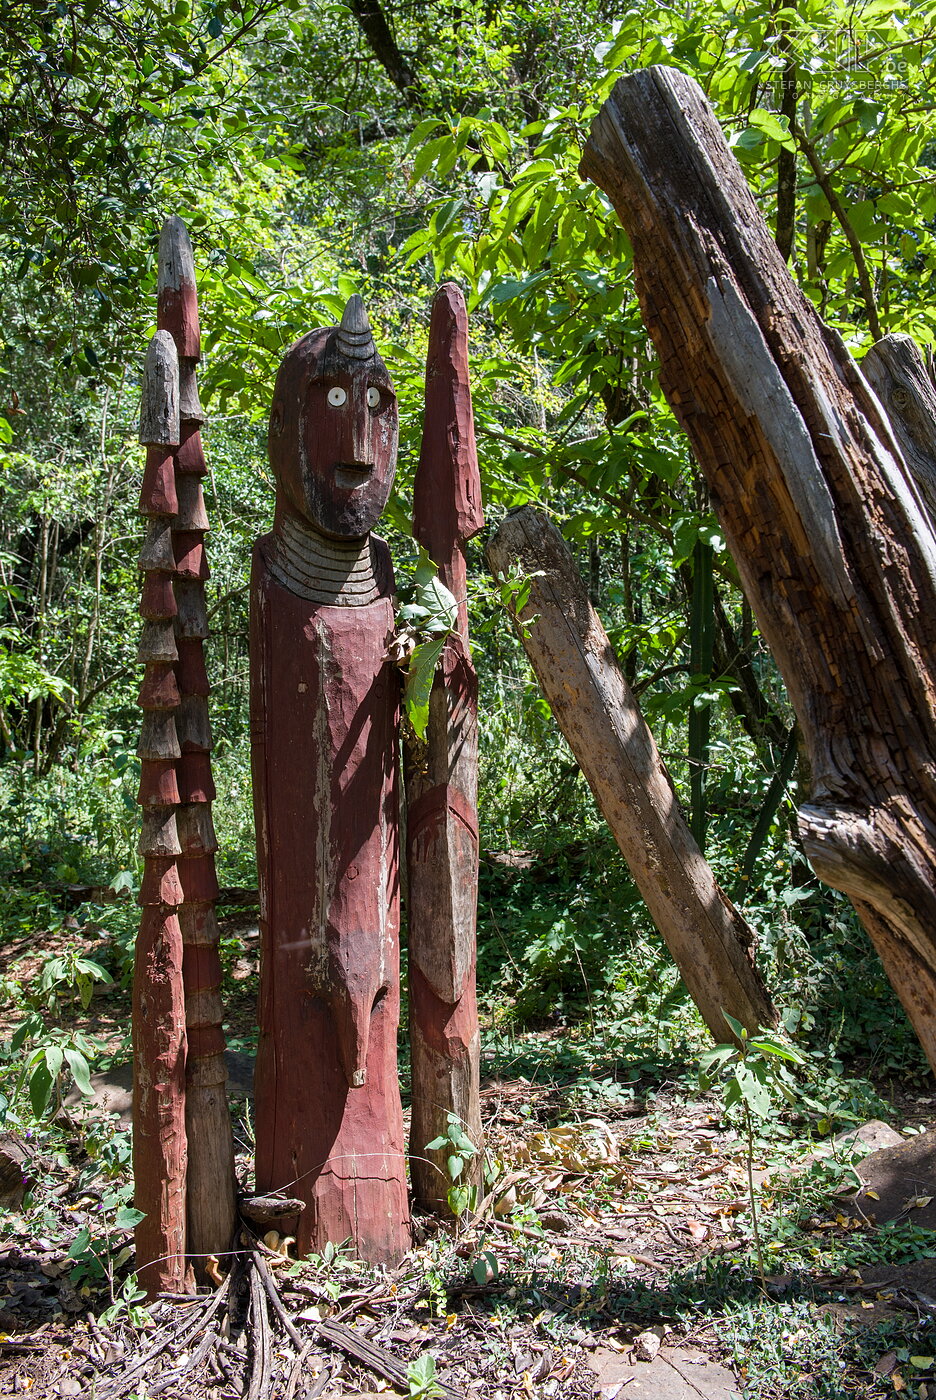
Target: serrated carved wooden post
{"x":324,"y":728}
{"x":210,"y":1177}
{"x":441,"y":776}
{"x":159,"y":1140}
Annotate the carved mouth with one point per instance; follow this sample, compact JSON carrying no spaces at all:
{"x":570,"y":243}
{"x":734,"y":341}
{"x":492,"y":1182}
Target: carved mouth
{"x":348,"y":475}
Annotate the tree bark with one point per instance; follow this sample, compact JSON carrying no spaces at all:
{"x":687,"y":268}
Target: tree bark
{"x":376,"y":30}
{"x":441,"y":776}
{"x":896,"y":371}
{"x":596,"y":710}
{"x":834,"y":550}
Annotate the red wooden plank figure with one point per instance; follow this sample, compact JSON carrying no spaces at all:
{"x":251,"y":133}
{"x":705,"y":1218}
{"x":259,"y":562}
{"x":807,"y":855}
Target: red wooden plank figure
{"x":442,"y":782}
{"x":324,"y":726}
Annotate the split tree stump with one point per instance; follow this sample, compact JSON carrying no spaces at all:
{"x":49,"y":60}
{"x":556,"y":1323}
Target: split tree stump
{"x":833,"y":548}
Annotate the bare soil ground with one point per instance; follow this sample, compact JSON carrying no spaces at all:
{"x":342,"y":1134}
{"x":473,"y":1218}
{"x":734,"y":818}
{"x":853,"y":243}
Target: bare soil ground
{"x":579,"y":1253}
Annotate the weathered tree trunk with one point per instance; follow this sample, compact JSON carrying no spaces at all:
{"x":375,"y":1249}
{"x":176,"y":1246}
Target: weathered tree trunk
{"x":210,"y":1204}
{"x":596,"y":710}
{"x":324,"y":737}
{"x":158,"y":1016}
{"x":441,"y":776}
{"x":833,"y":548}
{"x":897,"y":373}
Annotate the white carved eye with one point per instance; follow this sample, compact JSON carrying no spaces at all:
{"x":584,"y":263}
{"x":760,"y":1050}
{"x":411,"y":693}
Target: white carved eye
{"x":373,"y":397}
{"x":337,"y":396}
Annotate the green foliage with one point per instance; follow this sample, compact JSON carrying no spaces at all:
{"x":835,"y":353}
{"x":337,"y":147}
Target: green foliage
{"x":421,"y":1378}
{"x":427,"y":622}
{"x":461,"y":1150}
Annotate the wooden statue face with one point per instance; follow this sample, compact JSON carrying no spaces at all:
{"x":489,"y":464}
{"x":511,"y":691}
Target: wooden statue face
{"x":333,"y":435}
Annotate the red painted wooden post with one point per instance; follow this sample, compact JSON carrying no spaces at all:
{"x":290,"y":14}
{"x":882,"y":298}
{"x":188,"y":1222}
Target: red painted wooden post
{"x":324,"y":726}
{"x":441,"y":778}
{"x":158,"y":1016}
{"x":211,"y":1210}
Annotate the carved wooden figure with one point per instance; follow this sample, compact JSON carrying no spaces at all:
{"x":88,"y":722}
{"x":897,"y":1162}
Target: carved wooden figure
{"x":210,"y":1176}
{"x":159,"y":1141}
{"x":441,"y":777}
{"x":324,"y":719}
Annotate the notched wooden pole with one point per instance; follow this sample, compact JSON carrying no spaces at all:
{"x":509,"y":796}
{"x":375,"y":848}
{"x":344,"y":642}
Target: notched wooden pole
{"x":210,"y":1179}
{"x":158,"y":1014}
{"x":596,"y":710}
{"x":441,"y":776}
{"x":835,"y":553}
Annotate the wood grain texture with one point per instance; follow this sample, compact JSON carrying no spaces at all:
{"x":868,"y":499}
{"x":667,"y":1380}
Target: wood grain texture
{"x":596,"y":710}
{"x":178,"y":296}
{"x":159,"y":1140}
{"x":324,"y":717}
{"x":801,"y":467}
{"x":159,"y":408}
{"x":896,"y":371}
{"x":441,"y":776}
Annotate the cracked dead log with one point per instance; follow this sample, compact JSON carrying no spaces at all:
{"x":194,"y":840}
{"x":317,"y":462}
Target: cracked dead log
{"x":833,"y":547}
{"x":896,"y":371}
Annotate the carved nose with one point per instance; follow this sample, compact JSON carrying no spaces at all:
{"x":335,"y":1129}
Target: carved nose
{"x":352,"y":1012}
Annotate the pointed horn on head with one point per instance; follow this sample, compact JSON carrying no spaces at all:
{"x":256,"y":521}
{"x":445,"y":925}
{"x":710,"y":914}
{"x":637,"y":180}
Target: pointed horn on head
{"x":355,"y":338}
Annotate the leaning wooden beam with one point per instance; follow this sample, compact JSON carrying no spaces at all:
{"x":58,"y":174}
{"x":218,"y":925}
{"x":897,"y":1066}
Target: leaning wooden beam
{"x":441,"y":777}
{"x":158,"y":1016}
{"x":597,"y":712}
{"x":897,"y":373}
{"x":833,"y":548}
{"x":210,"y":1182}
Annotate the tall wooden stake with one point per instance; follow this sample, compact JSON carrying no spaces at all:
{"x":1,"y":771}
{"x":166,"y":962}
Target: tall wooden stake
{"x":210,"y":1180}
{"x":159,"y":1144}
{"x":441,"y":777}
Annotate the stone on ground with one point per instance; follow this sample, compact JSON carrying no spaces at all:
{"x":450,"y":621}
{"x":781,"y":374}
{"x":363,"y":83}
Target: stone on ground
{"x":675,"y":1373}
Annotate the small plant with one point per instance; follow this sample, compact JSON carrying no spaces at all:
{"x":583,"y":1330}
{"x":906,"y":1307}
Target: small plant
{"x":421,"y":1378}
{"x":753,"y":1074}
{"x":461,"y":1196}
{"x":50,"y":1054}
{"x":127,"y":1304}
{"x":427,"y":623}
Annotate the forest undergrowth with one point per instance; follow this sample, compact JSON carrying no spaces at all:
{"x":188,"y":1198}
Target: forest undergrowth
{"x":616,"y":1205}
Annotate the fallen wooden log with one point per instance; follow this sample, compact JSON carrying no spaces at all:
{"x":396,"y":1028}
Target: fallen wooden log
{"x":595,"y":708}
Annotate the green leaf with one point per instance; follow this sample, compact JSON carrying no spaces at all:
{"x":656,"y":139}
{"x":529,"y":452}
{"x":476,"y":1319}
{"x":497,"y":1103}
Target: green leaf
{"x":456,"y":1165}
{"x":735,"y":1025}
{"x":419,"y":677}
{"x":80,"y":1243}
{"x":127,"y":1217}
{"x":40,"y":1088}
{"x":80,"y":1071}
